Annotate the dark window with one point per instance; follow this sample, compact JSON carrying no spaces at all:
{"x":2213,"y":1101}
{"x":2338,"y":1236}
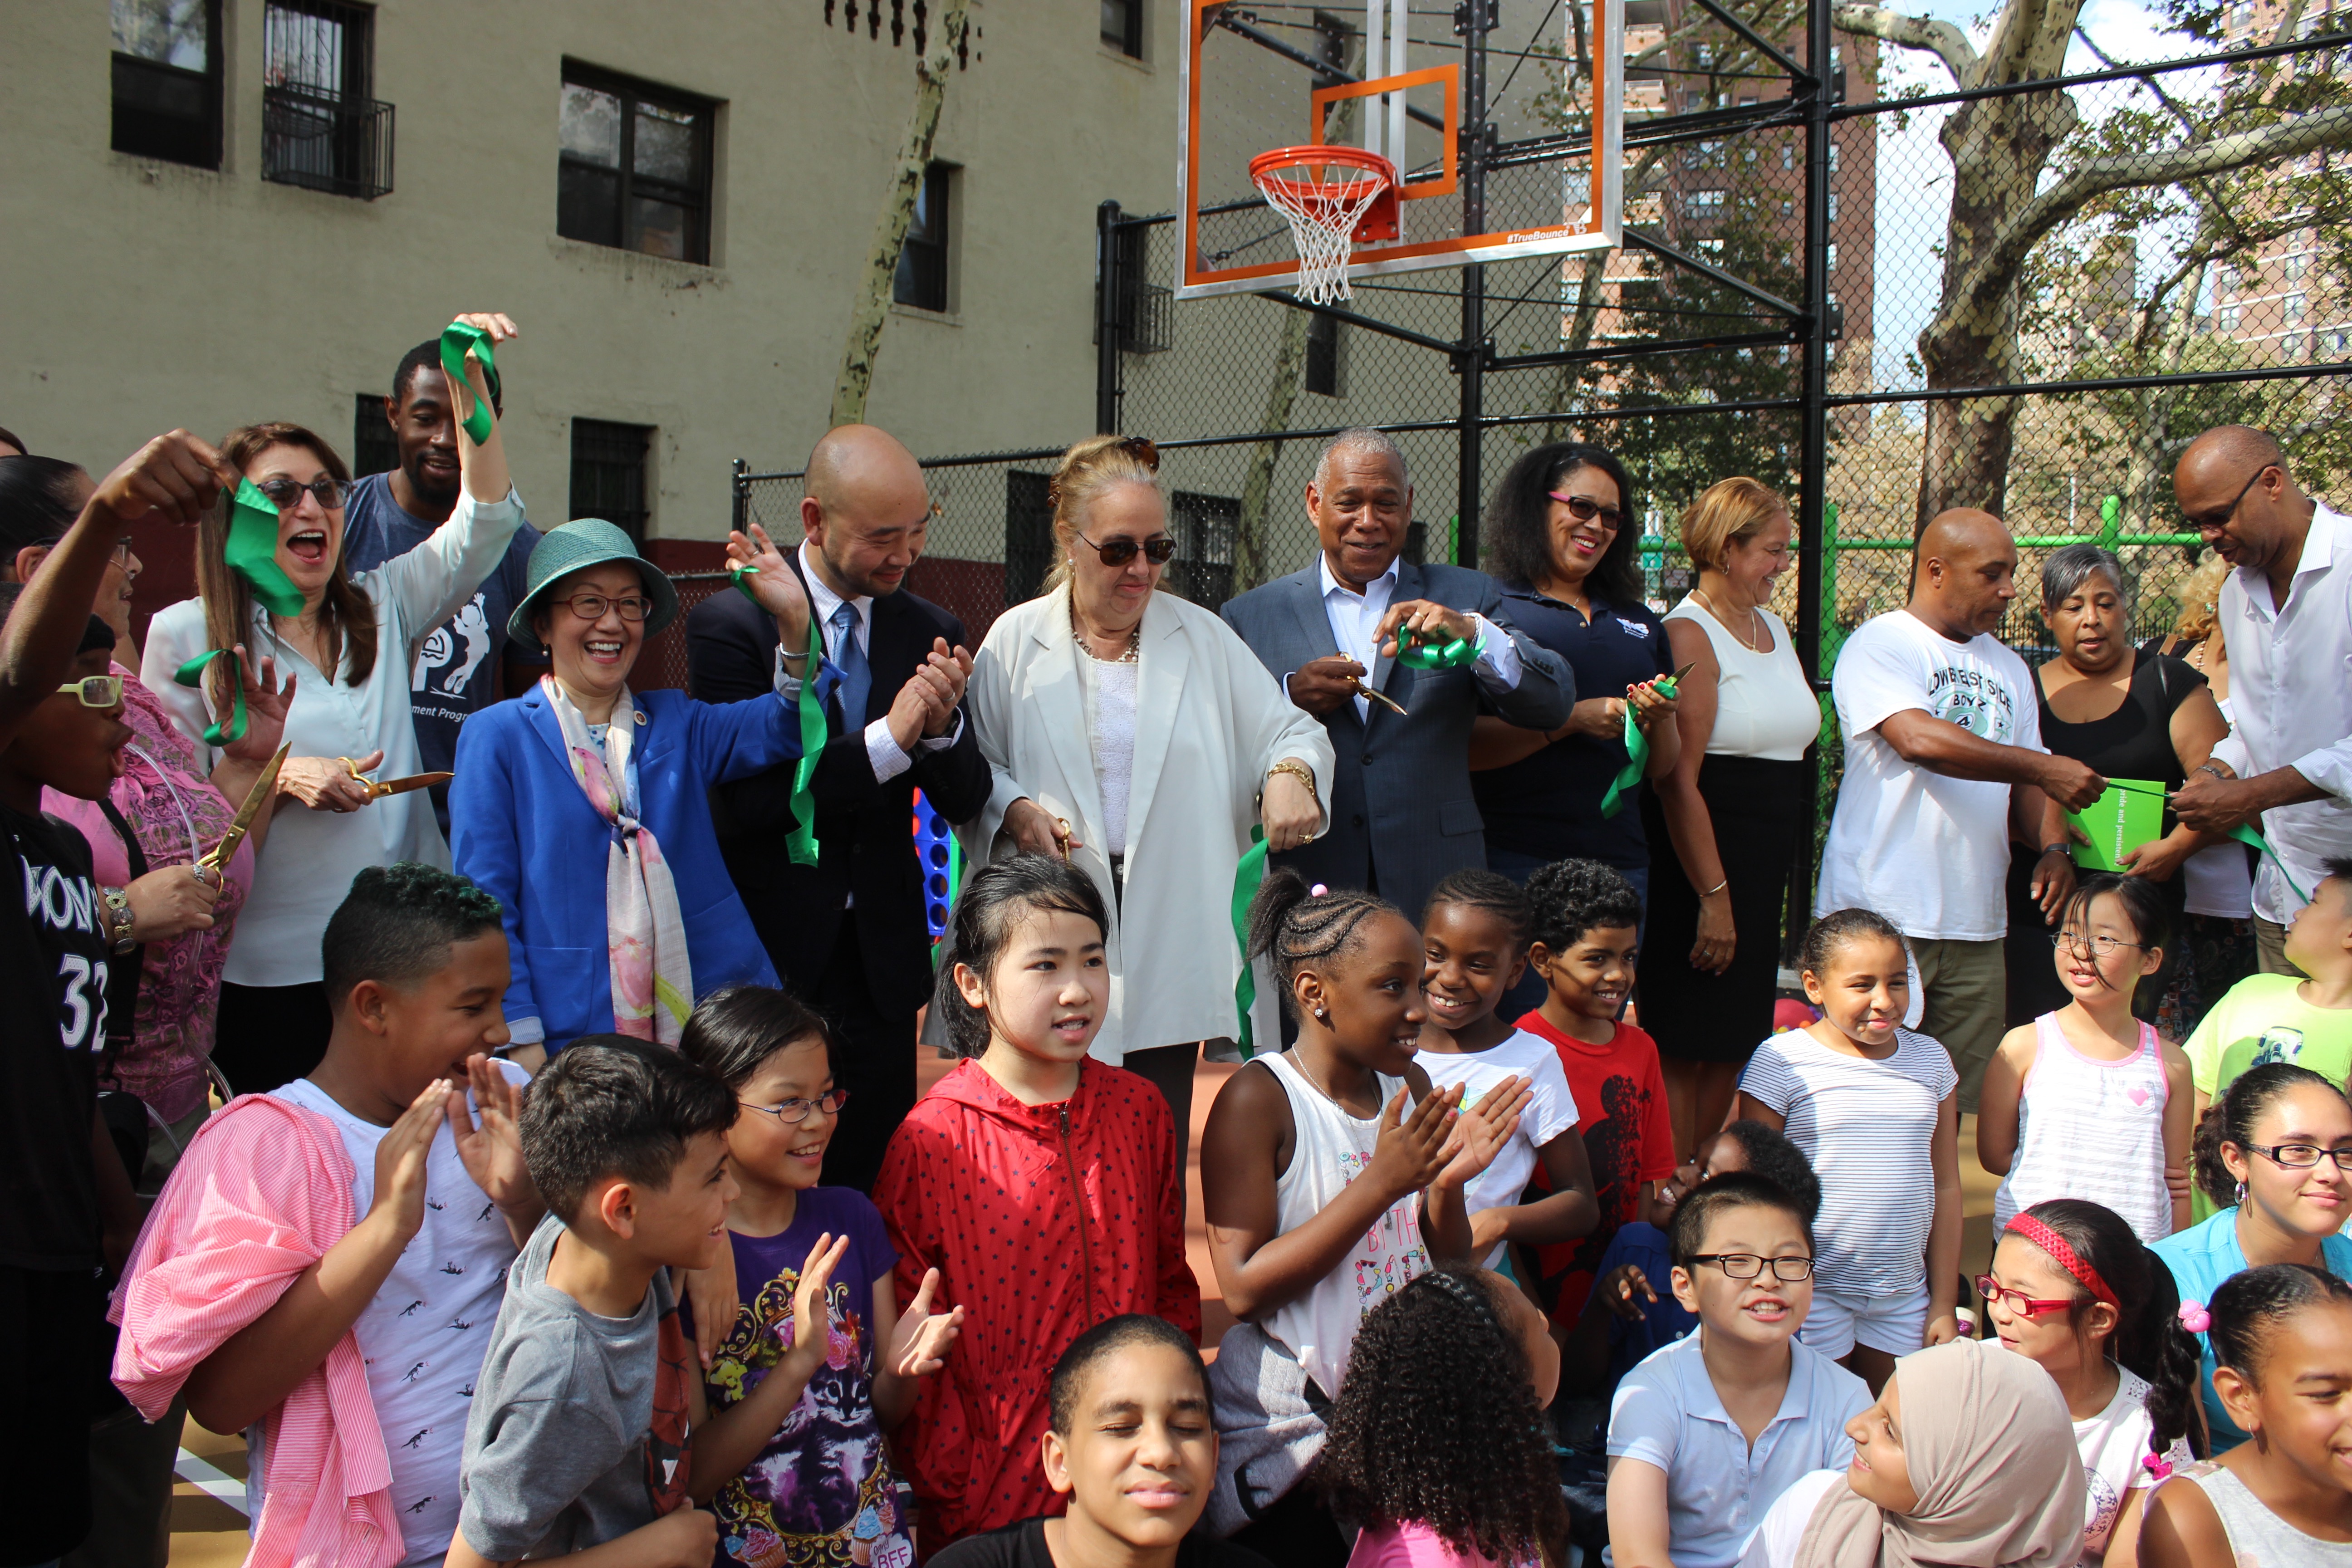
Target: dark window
{"x":1028,"y":536}
{"x":1204,"y":527}
{"x":167,"y":81}
{"x":608,"y":473}
{"x":1324,"y":351}
{"x":319,"y":127}
{"x":922,"y":279}
{"x":635,"y":168}
{"x":1122,"y":27}
{"x":375,"y":449}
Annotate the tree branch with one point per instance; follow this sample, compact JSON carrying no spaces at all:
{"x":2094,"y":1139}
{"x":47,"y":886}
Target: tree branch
{"x":1941,"y":39}
{"x":1993,"y":276}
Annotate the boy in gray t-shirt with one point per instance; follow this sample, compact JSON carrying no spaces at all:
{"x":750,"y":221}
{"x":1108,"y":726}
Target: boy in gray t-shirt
{"x":579,"y":1433}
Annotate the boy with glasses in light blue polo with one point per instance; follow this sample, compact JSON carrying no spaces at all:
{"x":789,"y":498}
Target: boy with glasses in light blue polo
{"x":1706,"y":1434}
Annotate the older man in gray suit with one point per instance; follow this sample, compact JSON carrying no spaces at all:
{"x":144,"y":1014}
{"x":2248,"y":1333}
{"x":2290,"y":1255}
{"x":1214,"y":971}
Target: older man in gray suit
{"x":1402,"y":813}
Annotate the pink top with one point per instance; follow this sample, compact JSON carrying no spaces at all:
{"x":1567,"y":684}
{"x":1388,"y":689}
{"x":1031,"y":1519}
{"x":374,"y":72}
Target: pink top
{"x":263,"y":1191}
{"x":1410,"y":1546}
{"x":169,"y":802}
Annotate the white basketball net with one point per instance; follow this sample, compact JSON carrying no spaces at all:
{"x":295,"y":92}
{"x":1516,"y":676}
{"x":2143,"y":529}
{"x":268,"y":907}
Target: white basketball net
{"x":1323,"y":216}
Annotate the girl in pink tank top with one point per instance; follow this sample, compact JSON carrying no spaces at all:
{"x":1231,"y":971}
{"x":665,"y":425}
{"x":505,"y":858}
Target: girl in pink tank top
{"x":2088,"y":1101}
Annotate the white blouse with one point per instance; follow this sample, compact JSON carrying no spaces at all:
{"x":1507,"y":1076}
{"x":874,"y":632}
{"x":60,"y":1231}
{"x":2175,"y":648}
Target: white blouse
{"x":308,"y":862}
{"x":1764,"y":706}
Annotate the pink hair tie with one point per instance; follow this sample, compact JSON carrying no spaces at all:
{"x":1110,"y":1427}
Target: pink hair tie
{"x":2158,"y":1466}
{"x":2195,"y":1318}
{"x":1318,"y":891}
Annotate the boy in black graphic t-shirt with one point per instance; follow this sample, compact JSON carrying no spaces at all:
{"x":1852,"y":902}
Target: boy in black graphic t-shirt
{"x":64,"y":1198}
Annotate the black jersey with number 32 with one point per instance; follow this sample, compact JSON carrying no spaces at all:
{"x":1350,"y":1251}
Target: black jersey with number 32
{"x":52,"y":945}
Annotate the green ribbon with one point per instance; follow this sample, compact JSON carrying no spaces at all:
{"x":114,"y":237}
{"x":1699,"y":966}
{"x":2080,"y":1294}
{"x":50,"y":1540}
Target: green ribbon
{"x":1414,"y":652}
{"x":252,"y":552}
{"x":2243,"y":833}
{"x":455,"y":339}
{"x":192,"y":674}
{"x":1246,"y":877}
{"x":1637,"y":759}
{"x":801,"y":842}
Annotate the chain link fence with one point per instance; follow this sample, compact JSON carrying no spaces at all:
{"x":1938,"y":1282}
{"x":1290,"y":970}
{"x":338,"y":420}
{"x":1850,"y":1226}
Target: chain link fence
{"x":2027,"y":296}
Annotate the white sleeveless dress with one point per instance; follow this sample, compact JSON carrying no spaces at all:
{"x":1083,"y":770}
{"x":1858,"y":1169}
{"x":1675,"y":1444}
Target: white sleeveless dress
{"x":2090,"y":1129}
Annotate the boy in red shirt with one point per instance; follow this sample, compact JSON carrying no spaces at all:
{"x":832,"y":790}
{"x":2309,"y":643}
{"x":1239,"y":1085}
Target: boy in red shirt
{"x":1043,"y":1186}
{"x":1585,"y":914}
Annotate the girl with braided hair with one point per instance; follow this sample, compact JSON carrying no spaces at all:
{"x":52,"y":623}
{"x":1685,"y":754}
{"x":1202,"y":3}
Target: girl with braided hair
{"x":1323,"y":1169}
{"x":1440,"y":1447}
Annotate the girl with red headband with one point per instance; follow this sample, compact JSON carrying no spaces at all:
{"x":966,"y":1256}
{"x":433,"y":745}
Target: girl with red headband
{"x":2073,"y":1288}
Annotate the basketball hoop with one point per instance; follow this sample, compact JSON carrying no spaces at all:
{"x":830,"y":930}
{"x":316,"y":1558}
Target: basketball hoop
{"x":1355,"y":201}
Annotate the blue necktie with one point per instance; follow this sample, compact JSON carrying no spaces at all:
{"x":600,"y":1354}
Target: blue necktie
{"x":856,"y":679}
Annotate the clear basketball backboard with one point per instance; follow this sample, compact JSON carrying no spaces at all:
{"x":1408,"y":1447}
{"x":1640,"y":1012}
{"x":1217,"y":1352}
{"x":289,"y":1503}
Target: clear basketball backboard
{"x":1393,"y":78}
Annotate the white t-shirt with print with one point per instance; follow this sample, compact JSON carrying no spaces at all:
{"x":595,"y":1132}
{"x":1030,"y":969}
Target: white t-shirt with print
{"x":1551,"y":1111}
{"x":2114,"y":1446}
{"x":1929,"y":853}
{"x":424,"y":1334}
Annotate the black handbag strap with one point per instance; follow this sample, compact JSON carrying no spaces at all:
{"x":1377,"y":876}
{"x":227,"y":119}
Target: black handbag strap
{"x":122,"y":975}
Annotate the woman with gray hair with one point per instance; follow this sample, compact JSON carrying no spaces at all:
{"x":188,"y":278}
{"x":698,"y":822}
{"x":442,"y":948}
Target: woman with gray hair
{"x":2124,"y":713}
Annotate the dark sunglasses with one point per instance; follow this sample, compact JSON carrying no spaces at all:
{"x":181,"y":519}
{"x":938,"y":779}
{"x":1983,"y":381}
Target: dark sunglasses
{"x":1119,"y":552}
{"x":1142,"y":450}
{"x":284,"y":493}
{"x":1584,"y":509}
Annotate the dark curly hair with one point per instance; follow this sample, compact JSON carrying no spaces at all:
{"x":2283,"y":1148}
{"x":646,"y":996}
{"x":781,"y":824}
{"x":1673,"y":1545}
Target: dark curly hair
{"x":1519,"y":522}
{"x":1438,"y":1424}
{"x":1773,"y":1155}
{"x":2252,"y":1305}
{"x":1833,"y":931}
{"x":1569,"y":898}
{"x":2149,"y":1339}
{"x":1474,"y":887}
{"x":994,"y":900}
{"x":2232,"y":1117}
{"x":398,"y":923}
{"x":1295,"y":928}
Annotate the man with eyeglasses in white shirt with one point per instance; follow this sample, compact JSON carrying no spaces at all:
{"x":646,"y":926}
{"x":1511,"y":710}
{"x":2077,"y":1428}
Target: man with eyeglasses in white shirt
{"x":2286,"y":619}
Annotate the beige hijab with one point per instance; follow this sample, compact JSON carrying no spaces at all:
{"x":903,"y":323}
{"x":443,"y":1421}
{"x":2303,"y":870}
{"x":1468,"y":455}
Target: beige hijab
{"x":1992,"y":1455}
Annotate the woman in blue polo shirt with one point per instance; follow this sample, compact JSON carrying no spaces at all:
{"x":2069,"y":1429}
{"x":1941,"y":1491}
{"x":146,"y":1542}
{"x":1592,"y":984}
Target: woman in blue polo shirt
{"x":2271,"y":1147}
{"x":1562,"y":540}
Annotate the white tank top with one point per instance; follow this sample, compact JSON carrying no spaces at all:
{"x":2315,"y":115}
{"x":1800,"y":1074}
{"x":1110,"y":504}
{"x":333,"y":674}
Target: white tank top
{"x":2215,"y":881}
{"x":2090,"y":1129}
{"x":1764,"y":707}
{"x":2259,"y":1537}
{"x":1329,"y":1148}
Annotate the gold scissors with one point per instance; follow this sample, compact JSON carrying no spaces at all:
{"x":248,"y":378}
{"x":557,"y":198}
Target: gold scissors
{"x":377,"y":789}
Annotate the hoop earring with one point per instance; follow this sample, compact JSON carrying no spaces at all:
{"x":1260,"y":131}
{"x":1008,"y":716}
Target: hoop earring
{"x":2241,"y":1195}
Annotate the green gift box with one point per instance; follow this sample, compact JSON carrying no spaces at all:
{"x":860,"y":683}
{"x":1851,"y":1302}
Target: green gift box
{"x":2128,"y":815}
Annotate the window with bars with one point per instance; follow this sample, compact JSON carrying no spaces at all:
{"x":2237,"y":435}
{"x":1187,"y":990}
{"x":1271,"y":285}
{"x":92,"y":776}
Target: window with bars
{"x":634,"y":169}
{"x":321,"y":128}
{"x":1122,"y":27}
{"x":375,"y":449}
{"x":608,"y":474}
{"x":167,"y":81}
{"x":922,"y":278}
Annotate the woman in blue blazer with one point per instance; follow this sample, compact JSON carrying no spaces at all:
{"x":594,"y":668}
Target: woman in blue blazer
{"x":585,"y":808}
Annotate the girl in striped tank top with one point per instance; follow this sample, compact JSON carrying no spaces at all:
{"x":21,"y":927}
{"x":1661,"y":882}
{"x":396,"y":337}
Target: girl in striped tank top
{"x":2088,"y":1101}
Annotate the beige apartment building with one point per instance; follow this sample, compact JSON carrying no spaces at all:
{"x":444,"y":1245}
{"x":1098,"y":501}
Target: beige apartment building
{"x":220,"y":211}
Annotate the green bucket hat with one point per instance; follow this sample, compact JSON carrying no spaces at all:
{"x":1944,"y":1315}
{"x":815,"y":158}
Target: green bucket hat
{"x":585,"y":542}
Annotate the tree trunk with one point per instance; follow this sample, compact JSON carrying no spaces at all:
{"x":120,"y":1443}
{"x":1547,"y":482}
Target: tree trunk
{"x":2152,"y":431}
{"x":872,"y":309}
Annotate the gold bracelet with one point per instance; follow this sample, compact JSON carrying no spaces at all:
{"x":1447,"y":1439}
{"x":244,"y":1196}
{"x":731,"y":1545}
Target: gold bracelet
{"x":1297,"y":769}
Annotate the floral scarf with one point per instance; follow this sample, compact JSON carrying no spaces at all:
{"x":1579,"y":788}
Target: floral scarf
{"x":645,"y":936}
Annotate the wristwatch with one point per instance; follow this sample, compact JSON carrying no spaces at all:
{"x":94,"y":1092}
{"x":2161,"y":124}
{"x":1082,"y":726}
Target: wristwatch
{"x":2061,"y":849}
{"x":119,"y":919}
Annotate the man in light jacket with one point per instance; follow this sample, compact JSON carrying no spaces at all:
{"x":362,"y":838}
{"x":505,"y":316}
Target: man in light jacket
{"x":1402,"y":812}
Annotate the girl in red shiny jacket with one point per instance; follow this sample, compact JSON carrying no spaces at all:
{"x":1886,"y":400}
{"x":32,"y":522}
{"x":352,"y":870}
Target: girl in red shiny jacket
{"x":1043,"y":1186}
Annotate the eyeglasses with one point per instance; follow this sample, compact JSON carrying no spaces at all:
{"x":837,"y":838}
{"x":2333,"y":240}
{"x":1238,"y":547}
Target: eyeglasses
{"x":2303,"y":1156}
{"x":96,"y":690}
{"x":285,"y":494}
{"x":1993,"y":1291}
{"x":1584,"y":509}
{"x":1119,"y":552}
{"x":2218,"y":522}
{"x":2104,"y":946}
{"x":591,"y":606}
{"x":792,"y":1112}
{"x":1748,"y":1266}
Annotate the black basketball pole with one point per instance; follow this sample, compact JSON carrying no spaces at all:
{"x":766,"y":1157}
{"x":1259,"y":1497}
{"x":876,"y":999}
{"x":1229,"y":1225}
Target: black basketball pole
{"x":1110,"y":289}
{"x":1472,"y":18}
{"x":1817,"y":92}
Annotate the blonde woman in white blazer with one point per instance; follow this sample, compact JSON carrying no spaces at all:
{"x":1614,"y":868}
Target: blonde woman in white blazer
{"x":1139,"y":735}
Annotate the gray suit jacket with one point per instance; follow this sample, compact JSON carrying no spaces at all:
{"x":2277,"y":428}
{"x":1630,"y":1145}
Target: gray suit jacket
{"x":1402,"y":813}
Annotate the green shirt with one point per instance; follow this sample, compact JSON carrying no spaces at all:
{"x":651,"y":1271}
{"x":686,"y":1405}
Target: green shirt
{"x":2263,"y":1020}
